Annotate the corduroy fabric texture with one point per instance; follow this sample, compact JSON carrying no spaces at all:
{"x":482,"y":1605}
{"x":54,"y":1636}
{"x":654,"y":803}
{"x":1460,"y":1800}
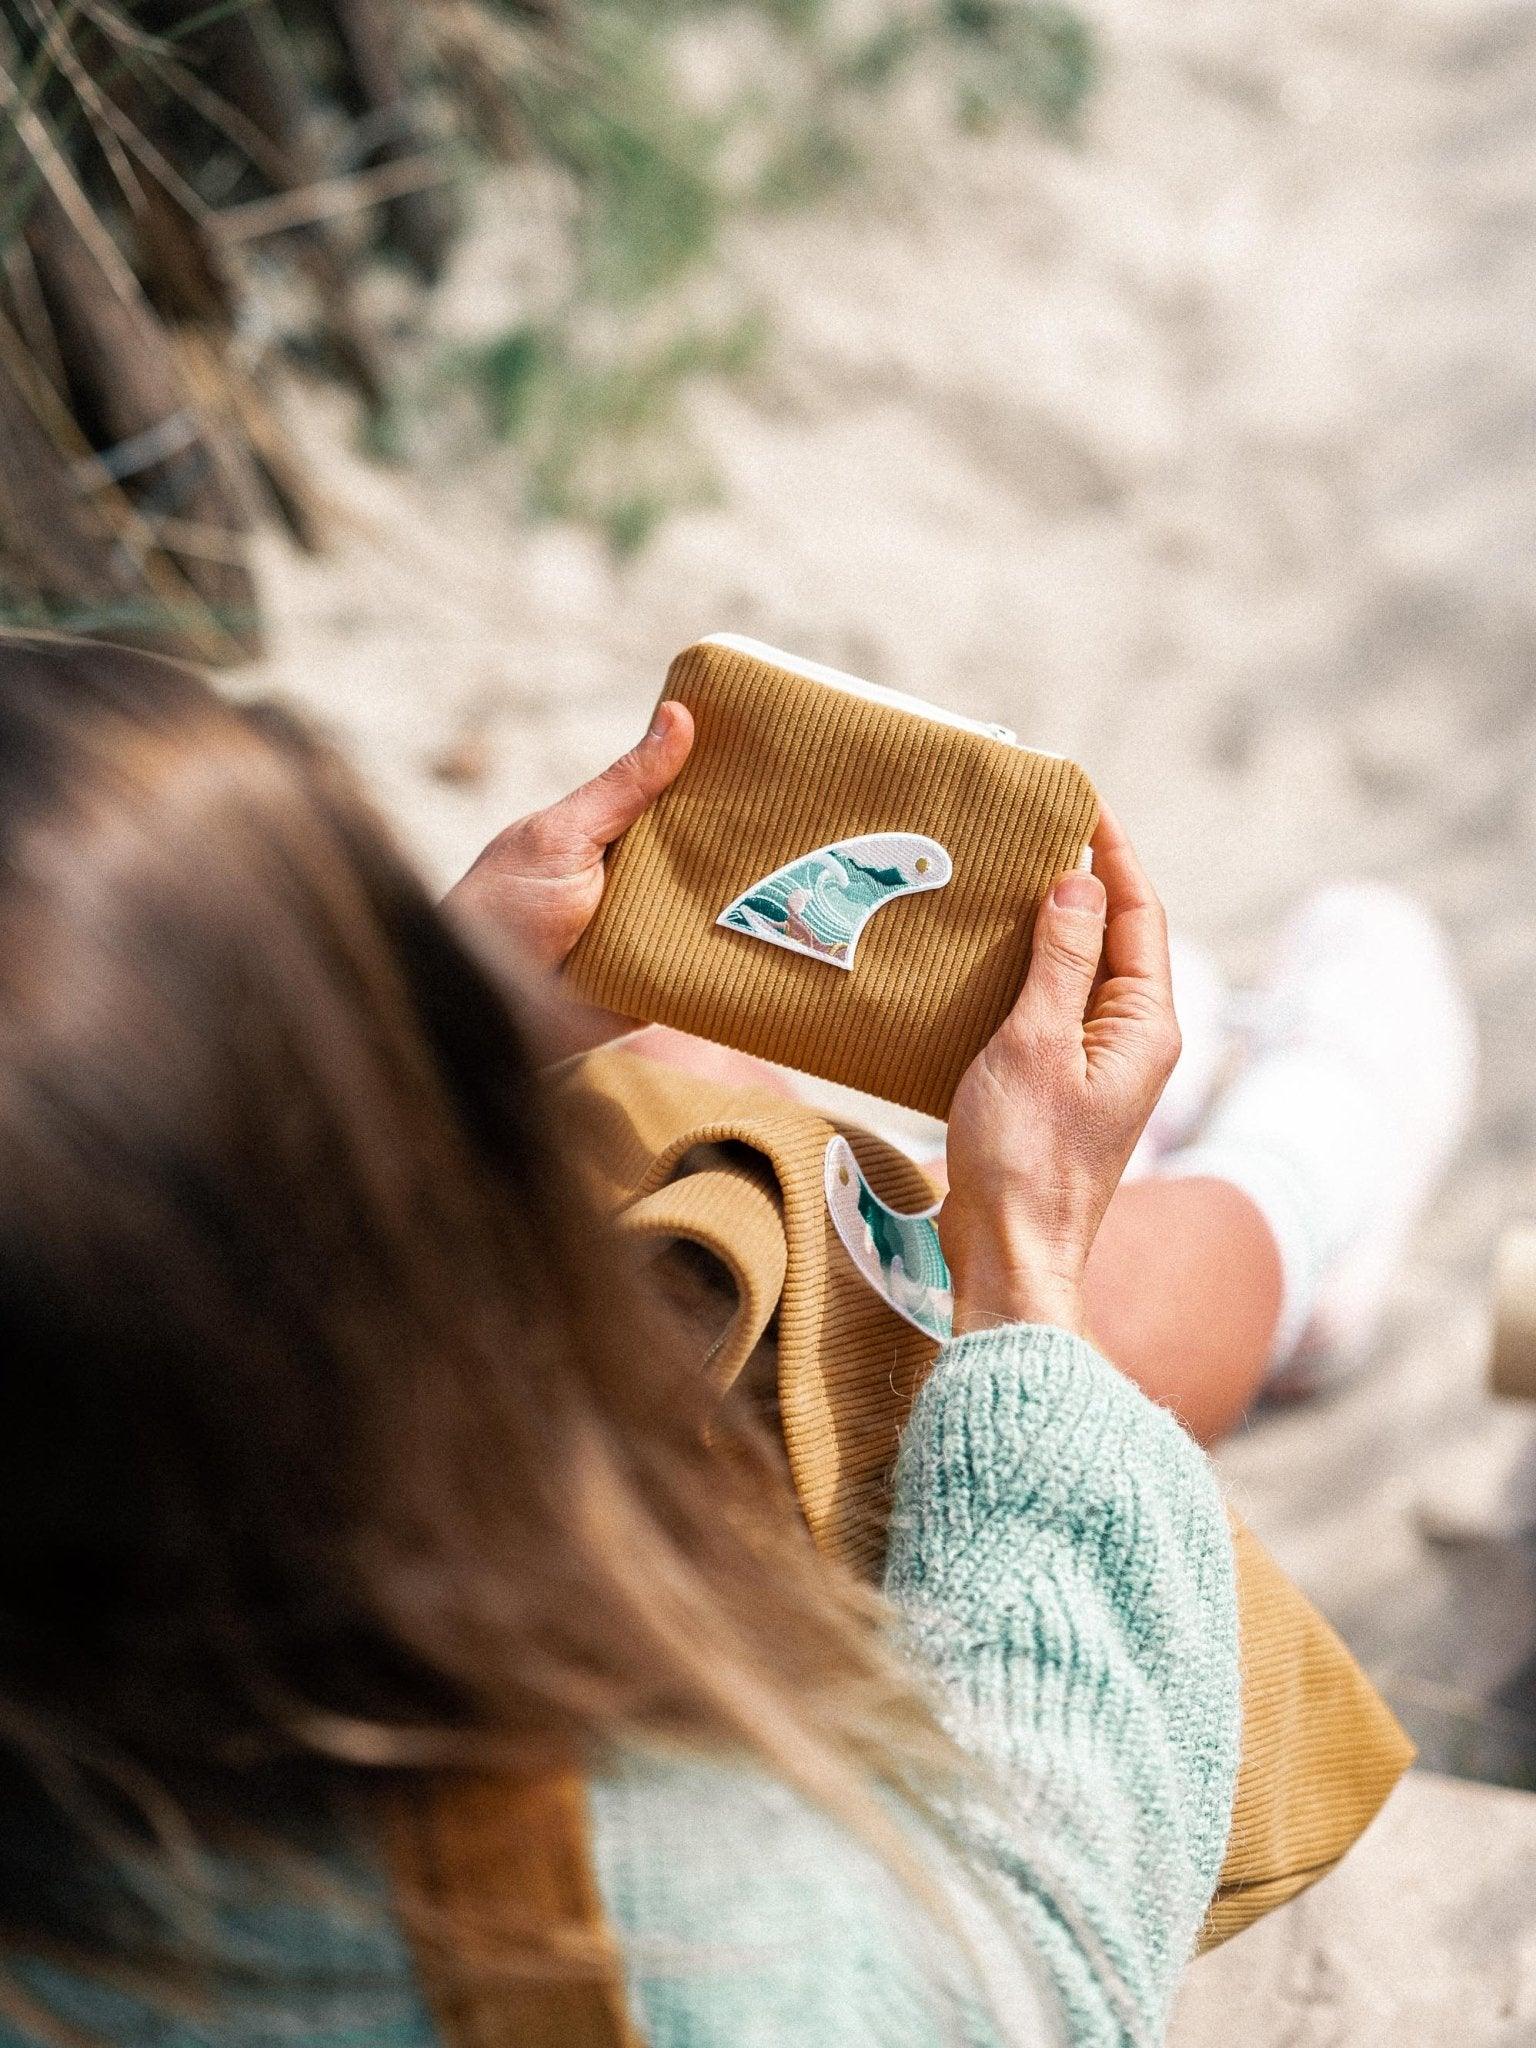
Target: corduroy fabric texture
{"x":1321,"y":1750}
{"x":732,"y":1208}
{"x":483,"y":1869}
{"x":849,"y":1368}
{"x":781,"y":766}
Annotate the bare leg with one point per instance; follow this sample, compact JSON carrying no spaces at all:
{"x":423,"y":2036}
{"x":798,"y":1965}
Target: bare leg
{"x":1183,"y":1293}
{"x":671,"y":1048}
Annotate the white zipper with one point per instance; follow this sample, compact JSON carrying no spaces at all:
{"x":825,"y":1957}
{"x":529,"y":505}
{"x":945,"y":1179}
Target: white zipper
{"x":876,"y":693}
{"x":855,"y":686}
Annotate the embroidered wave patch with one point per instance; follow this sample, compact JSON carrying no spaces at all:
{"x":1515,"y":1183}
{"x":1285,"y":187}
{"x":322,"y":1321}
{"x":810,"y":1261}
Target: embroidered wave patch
{"x":898,"y":1255}
{"x":819,"y":904}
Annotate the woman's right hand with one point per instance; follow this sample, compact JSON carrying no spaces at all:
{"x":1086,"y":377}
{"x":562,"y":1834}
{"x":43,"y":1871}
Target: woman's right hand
{"x":1047,"y":1115}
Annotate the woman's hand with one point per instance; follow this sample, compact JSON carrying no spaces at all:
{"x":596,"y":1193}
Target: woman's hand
{"x":1048,"y":1113}
{"x":540,"y":881}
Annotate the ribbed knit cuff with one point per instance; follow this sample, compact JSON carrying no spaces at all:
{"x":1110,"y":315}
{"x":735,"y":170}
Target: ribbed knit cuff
{"x":1028,"y":1406}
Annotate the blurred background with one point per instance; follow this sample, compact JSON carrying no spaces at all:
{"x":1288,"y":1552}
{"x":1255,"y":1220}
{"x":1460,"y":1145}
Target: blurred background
{"x":1159,"y":378}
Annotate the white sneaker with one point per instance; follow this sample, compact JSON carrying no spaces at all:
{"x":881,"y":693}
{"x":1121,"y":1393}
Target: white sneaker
{"x":1202,"y":1001}
{"x":1363,"y":1040}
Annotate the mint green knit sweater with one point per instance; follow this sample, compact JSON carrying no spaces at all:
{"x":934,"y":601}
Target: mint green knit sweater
{"x":1060,"y":1561}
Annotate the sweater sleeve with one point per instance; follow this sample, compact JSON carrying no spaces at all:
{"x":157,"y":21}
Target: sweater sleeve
{"x":1061,"y":1560}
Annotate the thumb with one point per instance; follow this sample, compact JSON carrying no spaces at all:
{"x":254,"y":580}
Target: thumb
{"x":1069,"y":937}
{"x":597,"y":813}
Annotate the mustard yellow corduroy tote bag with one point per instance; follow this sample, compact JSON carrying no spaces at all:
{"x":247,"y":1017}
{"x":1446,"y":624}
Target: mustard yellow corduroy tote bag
{"x":741,"y":1175}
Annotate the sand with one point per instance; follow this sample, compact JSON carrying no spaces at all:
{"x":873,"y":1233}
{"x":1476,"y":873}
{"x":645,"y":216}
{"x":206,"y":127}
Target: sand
{"x":1204,"y":450}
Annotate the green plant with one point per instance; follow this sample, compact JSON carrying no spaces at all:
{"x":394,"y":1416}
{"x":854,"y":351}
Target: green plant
{"x":656,"y":178}
{"x":1038,"y":55}
{"x":600,"y":430}
{"x":191,"y":191}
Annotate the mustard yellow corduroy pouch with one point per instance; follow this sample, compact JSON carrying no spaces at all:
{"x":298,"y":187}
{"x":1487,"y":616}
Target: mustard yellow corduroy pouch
{"x":840,"y":879}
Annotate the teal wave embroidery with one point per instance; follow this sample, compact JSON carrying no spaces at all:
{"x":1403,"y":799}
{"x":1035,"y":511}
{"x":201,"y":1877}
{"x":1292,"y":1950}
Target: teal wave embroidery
{"x":819,"y":903}
{"x":898,"y":1255}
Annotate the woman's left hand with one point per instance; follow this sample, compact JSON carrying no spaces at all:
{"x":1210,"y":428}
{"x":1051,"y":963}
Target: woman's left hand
{"x":540,"y":881}
{"x":1049,"y":1111}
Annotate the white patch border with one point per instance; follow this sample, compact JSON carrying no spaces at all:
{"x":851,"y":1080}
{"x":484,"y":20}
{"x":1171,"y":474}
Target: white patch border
{"x":838,"y":1160}
{"x":927,"y":847}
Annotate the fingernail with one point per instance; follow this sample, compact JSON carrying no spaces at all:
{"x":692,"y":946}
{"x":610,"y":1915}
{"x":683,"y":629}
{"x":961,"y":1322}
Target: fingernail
{"x":658,"y":724}
{"x":1078,"y":891}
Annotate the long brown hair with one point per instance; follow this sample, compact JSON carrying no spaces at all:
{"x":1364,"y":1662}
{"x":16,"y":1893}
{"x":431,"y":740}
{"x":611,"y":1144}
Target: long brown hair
{"x":336,"y":1438}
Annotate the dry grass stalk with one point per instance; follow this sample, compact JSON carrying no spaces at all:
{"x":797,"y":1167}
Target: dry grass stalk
{"x":144,"y":156}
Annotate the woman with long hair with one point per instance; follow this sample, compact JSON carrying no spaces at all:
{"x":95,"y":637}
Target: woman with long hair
{"x":342,"y":1453}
